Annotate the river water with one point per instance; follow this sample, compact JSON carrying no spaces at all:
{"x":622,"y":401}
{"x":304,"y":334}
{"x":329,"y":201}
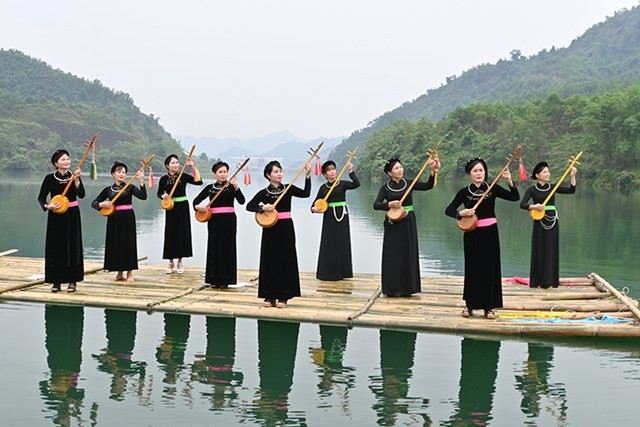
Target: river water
{"x":75,"y":366}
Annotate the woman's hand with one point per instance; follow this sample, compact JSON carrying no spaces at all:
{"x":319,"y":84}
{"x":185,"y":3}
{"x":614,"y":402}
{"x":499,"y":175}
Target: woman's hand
{"x":467,"y":212}
{"x":268,"y":208}
{"x":234,"y":182}
{"x":307,"y":167}
{"x":507,"y":177}
{"x":202,"y":208}
{"x":76,"y":176}
{"x":395,"y":204}
{"x":106,"y":204}
{"x":435,"y":165}
{"x":53,"y":206}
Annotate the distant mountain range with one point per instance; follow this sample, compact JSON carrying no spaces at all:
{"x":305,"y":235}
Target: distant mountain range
{"x":278,"y":145}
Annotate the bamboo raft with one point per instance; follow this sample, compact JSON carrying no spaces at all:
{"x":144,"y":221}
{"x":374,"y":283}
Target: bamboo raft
{"x":354,"y":302}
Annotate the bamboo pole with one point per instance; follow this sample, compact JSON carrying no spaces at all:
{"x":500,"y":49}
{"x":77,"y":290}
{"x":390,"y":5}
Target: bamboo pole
{"x":626,"y":300}
{"x":41,"y":281}
{"x":151,"y":304}
{"x":372,"y":299}
{"x":8,"y":252}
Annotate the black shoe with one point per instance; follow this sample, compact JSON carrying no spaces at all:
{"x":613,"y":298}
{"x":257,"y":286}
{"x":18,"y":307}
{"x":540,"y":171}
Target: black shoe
{"x":71,"y":287}
{"x":55,"y":288}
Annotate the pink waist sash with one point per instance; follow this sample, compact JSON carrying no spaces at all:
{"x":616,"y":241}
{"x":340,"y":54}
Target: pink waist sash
{"x":485,"y":222}
{"x":124,"y":207}
{"x":284,"y":215}
{"x":222,"y":209}
{"x":73,"y":204}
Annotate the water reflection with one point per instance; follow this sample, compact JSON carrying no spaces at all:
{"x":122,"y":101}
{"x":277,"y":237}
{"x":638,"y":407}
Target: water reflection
{"x":320,"y":388}
{"x":533,"y":382}
{"x":334,"y":377}
{"x":277,"y":345}
{"x":63,"y":341}
{"x":478,"y":371}
{"x":391,"y":387}
{"x":170,"y":353}
{"x":216,"y":367}
{"x":116,"y":358}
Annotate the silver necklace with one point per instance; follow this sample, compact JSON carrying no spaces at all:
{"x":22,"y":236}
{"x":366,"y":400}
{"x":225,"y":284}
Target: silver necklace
{"x":543,"y":189}
{"x":399,"y":190}
{"x":215,"y":188}
{"x":62,"y":180}
{"x":116,"y":187}
{"x":476,"y":193}
{"x":277,"y":190}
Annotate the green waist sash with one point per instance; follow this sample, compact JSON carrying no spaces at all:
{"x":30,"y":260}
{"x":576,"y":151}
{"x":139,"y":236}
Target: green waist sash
{"x":550,"y":208}
{"x":180,"y":199}
{"x":408,"y":208}
{"x":335,"y":204}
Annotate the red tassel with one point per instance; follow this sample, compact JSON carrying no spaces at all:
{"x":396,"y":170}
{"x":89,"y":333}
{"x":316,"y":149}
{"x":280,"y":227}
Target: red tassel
{"x":318,"y":168}
{"x":522,"y":173}
{"x":247,"y":177}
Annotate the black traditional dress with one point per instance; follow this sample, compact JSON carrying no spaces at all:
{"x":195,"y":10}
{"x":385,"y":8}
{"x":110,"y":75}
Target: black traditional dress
{"x":279,"y":278}
{"x":400,"y":263}
{"x":177,"y":224}
{"x":545,"y":236}
{"x":222,"y":257}
{"x":334,"y":258}
{"x":120,"y":248}
{"x":63,"y":258}
{"x":482,"y":270}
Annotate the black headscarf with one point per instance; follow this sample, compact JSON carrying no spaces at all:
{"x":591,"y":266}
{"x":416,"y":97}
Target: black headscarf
{"x":390,"y":164}
{"x":538,"y":169}
{"x":57,"y":154}
{"x":326,"y":164}
{"x":471,"y":163}
{"x":117,"y":165}
{"x":218,"y":165}
{"x":269,"y":167}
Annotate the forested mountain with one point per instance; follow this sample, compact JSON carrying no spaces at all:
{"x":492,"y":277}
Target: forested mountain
{"x":605,"y":57}
{"x":42,"y":109}
{"x":606,"y":127}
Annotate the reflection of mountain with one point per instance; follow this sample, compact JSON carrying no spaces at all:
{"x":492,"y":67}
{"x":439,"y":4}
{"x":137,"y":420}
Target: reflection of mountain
{"x":63,"y":340}
{"x":116,"y":358}
{"x":391,"y":388}
{"x":478,"y":372}
{"x":534,"y":385}
{"x":277,"y":345}
{"x":334,"y":377}
{"x":216,"y":366}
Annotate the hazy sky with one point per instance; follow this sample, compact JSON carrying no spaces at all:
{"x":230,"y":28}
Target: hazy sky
{"x":246,"y":68}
